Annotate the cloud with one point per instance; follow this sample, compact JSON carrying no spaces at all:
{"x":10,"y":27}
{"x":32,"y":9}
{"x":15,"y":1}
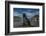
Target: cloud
{"x":21,"y":10}
{"x":16,"y":14}
{"x":28,"y":12}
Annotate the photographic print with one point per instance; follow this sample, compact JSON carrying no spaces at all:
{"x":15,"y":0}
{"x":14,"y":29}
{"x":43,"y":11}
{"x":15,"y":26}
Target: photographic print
{"x":24,"y":17}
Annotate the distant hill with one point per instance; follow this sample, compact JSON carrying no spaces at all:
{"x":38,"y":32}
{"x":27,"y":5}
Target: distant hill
{"x":35,"y":21}
{"x":17,"y":18}
{"x":18,"y":22}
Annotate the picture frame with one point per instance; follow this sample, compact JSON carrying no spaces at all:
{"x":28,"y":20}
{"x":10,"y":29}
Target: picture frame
{"x":18,"y":8}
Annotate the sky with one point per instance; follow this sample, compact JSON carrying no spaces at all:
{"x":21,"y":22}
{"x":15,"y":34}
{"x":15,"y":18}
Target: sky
{"x":28,"y":11}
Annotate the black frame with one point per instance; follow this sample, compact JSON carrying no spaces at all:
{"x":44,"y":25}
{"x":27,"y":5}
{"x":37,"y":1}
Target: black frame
{"x":7,"y":20}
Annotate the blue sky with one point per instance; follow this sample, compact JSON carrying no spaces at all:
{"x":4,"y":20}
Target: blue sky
{"x":28,"y":11}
